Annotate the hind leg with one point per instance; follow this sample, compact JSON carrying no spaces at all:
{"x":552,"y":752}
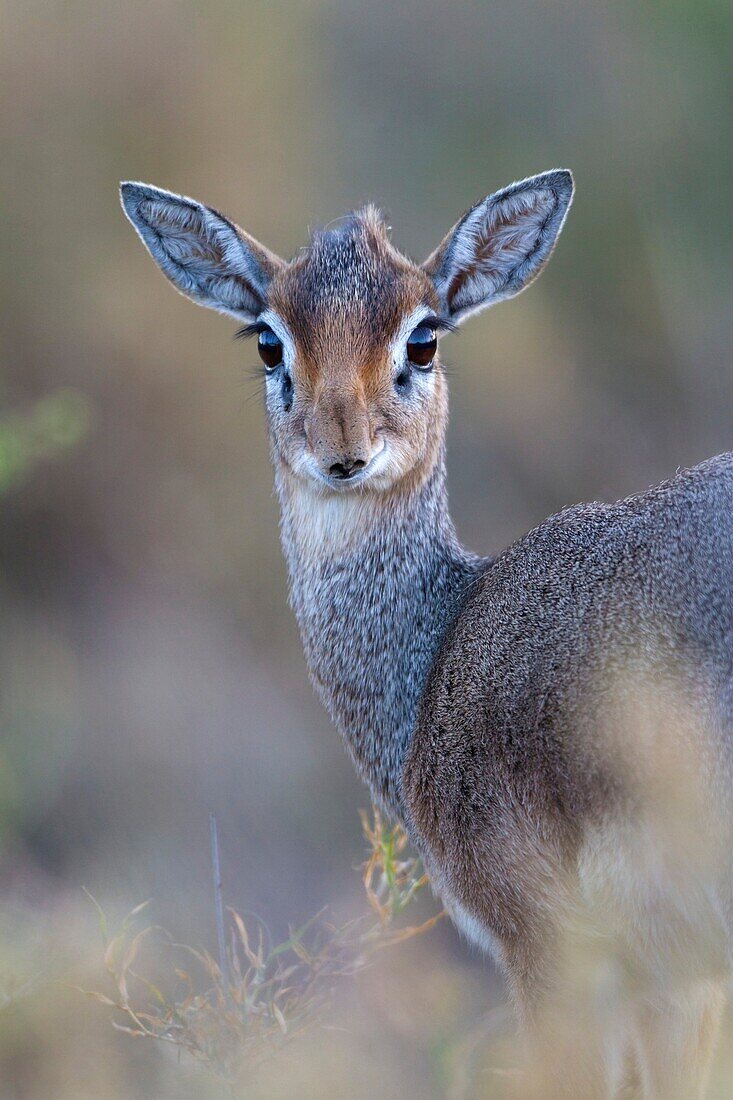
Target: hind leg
{"x":574,"y":1030}
{"x":676,"y":1039}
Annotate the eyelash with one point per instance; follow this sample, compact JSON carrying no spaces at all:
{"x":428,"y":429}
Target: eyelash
{"x":440,"y":324}
{"x":249,"y":331}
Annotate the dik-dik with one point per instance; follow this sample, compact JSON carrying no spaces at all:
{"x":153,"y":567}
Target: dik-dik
{"x":552,"y":725}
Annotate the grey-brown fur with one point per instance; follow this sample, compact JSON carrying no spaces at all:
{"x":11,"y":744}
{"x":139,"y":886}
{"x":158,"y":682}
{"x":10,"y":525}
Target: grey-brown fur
{"x":553,"y":726}
{"x":398,"y":588}
{"x":508,"y":726}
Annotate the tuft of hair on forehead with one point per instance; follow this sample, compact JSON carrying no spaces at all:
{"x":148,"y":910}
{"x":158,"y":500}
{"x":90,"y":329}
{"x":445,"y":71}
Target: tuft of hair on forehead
{"x":350,"y":257}
{"x":367,"y":221}
{"x":349,"y":287}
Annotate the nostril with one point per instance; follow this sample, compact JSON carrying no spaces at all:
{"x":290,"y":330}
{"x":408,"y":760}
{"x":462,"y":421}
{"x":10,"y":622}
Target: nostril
{"x":346,"y":468}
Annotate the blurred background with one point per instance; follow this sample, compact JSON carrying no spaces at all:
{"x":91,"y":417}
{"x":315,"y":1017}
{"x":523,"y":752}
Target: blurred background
{"x":150,"y":670}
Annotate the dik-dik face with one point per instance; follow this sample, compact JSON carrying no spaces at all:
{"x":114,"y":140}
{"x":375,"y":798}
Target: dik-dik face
{"x":348,"y":331}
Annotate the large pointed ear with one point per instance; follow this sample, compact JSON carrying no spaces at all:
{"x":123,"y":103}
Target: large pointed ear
{"x":501,"y":244}
{"x":205,"y":256}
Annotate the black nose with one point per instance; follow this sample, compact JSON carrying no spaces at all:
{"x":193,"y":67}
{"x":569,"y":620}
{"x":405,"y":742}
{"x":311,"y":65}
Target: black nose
{"x":346,"y":469}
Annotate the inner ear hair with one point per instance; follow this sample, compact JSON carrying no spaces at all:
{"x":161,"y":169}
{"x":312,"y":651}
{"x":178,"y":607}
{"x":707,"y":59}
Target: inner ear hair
{"x":501,"y":244}
{"x":206,"y":257}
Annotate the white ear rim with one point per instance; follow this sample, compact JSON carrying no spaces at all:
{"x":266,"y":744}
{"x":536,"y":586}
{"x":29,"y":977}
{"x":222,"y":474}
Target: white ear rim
{"x":557,"y":186}
{"x":239,"y":291}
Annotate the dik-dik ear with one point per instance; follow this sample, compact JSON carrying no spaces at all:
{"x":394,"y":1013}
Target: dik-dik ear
{"x":501,"y":244}
{"x":205,"y":256}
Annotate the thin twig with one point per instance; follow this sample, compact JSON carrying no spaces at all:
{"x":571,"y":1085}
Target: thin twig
{"x":219,"y":904}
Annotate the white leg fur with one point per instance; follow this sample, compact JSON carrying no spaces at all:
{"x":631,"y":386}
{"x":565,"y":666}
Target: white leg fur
{"x":675,"y":1042}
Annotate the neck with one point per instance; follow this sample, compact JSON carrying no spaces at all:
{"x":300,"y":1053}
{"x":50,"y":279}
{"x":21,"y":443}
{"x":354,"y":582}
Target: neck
{"x":375,"y":581}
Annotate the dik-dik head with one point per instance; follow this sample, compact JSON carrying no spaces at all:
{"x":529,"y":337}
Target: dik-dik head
{"x":348,"y":330}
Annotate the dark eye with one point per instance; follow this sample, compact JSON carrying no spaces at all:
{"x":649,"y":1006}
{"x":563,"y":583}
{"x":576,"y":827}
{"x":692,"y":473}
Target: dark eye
{"x":270,"y":349}
{"x":422,"y":346}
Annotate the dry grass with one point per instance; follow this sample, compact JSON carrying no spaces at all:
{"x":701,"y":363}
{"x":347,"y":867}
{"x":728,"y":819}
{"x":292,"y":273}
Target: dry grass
{"x":230,"y":1014}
